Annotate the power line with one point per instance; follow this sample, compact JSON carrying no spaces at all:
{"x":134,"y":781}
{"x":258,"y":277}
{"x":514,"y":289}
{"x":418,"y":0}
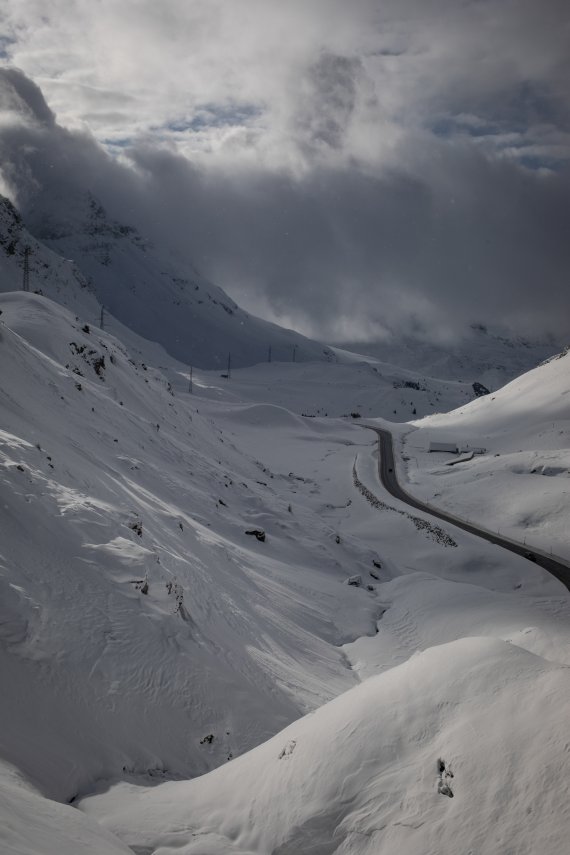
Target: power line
{"x":26,"y":278}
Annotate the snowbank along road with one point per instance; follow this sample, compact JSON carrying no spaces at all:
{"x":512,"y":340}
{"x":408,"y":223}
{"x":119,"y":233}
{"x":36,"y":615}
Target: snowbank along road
{"x":387,"y":474}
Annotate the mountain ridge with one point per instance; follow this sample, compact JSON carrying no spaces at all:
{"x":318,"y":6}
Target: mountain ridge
{"x":144,"y":288}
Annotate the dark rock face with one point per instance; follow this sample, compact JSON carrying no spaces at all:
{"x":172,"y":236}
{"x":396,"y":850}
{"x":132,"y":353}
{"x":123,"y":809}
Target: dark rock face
{"x":258,"y":533}
{"x":480,"y":390}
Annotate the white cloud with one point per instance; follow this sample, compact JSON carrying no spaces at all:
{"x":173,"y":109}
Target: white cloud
{"x":137,"y":67}
{"x":319,"y":158}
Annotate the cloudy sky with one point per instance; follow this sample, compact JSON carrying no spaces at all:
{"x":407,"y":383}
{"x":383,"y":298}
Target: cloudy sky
{"x":346,"y":168}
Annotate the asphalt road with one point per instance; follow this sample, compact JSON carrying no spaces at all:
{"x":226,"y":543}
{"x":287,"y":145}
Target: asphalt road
{"x":387,"y":473}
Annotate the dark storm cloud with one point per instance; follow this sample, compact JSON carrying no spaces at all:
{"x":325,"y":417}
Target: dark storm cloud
{"x":41,"y":161}
{"x":343,"y":251}
{"x":22,"y":98}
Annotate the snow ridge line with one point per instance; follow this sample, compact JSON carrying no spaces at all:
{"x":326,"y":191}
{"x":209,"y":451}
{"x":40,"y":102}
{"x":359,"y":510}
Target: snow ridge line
{"x":434,"y":531}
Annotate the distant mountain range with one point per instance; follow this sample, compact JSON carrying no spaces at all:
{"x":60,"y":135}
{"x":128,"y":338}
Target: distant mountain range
{"x":491,"y":356}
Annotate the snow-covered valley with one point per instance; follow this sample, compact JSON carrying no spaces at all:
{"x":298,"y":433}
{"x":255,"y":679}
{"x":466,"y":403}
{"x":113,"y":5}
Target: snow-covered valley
{"x":173,"y":682}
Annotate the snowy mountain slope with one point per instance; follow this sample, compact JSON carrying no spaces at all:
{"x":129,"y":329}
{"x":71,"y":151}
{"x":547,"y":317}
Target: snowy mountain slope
{"x":155,"y":299}
{"x":490,"y":356}
{"x":313,"y":389}
{"x":373,"y":770}
{"x":148,"y":301}
{"x":111,"y":481}
{"x":50,"y":274}
{"x":109,"y":484}
{"x":522,"y":482}
{"x":363,"y":774}
{"x":33,"y":825}
{"x":159,"y":298}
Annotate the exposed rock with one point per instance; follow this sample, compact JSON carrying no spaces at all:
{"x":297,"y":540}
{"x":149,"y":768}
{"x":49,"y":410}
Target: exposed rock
{"x":257,"y":532}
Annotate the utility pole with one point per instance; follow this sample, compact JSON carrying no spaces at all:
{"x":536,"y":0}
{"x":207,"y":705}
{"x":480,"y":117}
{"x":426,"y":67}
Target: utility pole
{"x":26,"y":278}
{"x":190,"y":382}
{"x":102,"y":318}
{"x":269,"y":354}
{"x":294,"y":352}
{"x":229,"y":365}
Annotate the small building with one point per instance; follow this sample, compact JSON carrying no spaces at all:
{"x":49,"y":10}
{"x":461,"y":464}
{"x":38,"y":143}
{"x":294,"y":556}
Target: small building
{"x":449,"y":447}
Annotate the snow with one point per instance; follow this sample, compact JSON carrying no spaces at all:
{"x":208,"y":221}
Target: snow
{"x":93,"y":469}
{"x":361,"y":774}
{"x":488,"y":355}
{"x":32,"y":824}
{"x":250,"y":700}
{"x":522,"y":483}
{"x":319,"y":390}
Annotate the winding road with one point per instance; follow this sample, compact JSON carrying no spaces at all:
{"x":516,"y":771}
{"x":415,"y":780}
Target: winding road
{"x":387,"y":473}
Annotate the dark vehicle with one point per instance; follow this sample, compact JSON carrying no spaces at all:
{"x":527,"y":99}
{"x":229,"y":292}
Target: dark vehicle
{"x":530,"y":555}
